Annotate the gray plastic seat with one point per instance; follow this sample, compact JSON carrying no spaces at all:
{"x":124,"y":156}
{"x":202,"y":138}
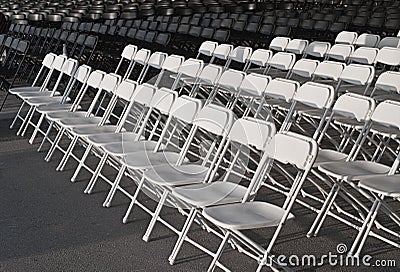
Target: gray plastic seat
{"x":386,"y":185}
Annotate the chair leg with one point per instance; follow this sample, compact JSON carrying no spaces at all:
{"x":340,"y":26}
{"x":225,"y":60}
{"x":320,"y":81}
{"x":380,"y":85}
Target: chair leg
{"x":133,"y":201}
{"x":17,"y":116}
{"x":81,"y":162}
{"x":93,"y":179}
{"x":156,"y":214}
{"x":45,"y":136}
{"x":67,"y":154}
{"x":219,"y":252}
{"x":182,"y":235}
{"x":37,"y":127}
{"x":53,"y":147}
{"x":364,"y":230}
{"x":324,"y":210}
{"x":111,"y":193}
{"x":27,"y":116}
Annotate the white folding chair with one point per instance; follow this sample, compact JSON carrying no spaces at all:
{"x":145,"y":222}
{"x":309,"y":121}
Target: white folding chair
{"x":356,"y":78}
{"x":79,"y":78}
{"x":246,"y":133}
{"x":389,"y":83}
{"x":340,"y":52}
{"x":364,"y":55}
{"x":281,"y":62}
{"x":221,"y":53}
{"x":68,"y":120}
{"x":297,"y":46}
{"x":389,"y":56}
{"x":350,"y":171}
{"x":368,"y":40}
{"x":317,"y":49}
{"x":287,"y":148}
{"x":67,"y":69}
{"x":346,"y":37}
{"x":259,"y":58}
{"x":127,"y":55}
{"x":207,"y":79}
{"x":304,"y":68}
{"x":169,"y":71}
{"x":389,"y":42}
{"x":207,"y":49}
{"x":240,"y":54}
{"x":328,"y":71}
{"x":279,"y":43}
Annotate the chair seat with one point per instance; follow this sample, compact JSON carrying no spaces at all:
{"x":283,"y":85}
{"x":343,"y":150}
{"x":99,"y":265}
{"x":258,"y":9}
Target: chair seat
{"x":214,"y":193}
{"x":28,"y":95}
{"x":383,"y":97}
{"x":24,"y":89}
{"x":327,"y":156}
{"x":315,"y":113}
{"x":37,"y":101}
{"x":249,"y":215}
{"x":122,"y":148}
{"x":53,"y":108}
{"x":388,"y":131}
{"x":172,"y":175}
{"x":386,"y":185}
{"x":103,"y":138}
{"x":87,"y":131}
{"x":354,"y":170}
{"x":77,"y":122}
{"x":148,"y":159}
{"x":345,"y":121}
{"x":52,"y":116}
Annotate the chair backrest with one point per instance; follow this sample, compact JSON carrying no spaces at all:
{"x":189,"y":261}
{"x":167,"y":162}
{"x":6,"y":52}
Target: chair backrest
{"x":252,"y":132}
{"x":142,"y":56}
{"x":388,"y":81}
{"x":143,"y":94}
{"x":279,"y":43}
{"x":157,"y":59}
{"x":340,"y":52}
{"x":58,"y":62}
{"x":48,"y":60}
{"x":82,"y":73}
{"x":186,"y":108}
{"x":207,"y":48}
{"x":329,"y":70}
{"x":305,"y":67}
{"x":172,"y":63}
{"x":364,"y":55}
{"x":211,"y":74}
{"x":296,"y":46}
{"x":126,"y":89}
{"x":292,"y":148}
{"x":354,"y":106}
{"x":282,"y":61}
{"x":389,"y":42}
{"x":191,"y":67}
{"x":69,"y":66}
{"x":346,"y":37}
{"x":315,"y":95}
{"x":358,"y":74}
{"x":95,"y":78}
{"x":223,"y":51}
{"x":163,"y":99}
{"x":389,"y":56}
{"x":216,"y":119}
{"x":231,"y":79}
{"x":260,"y":57}
{"x":241,"y":54}
{"x":282,"y":89}
{"x":318,"y":49}
{"x":368,"y":40}
{"x":387,"y":113}
{"x":255,"y":84}
{"x":110,"y":82}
